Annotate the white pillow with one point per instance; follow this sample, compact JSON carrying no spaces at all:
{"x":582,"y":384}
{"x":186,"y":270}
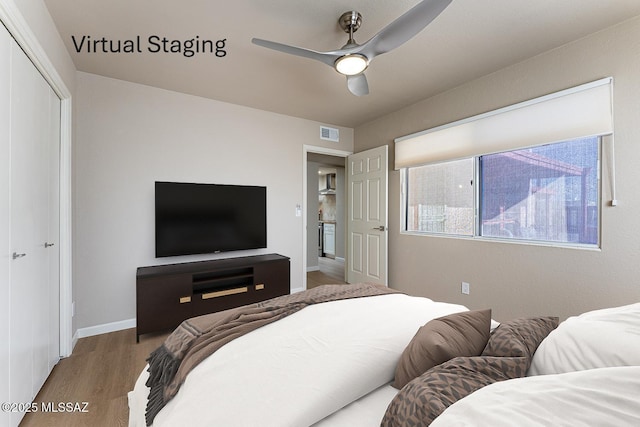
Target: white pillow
{"x":597,"y":339}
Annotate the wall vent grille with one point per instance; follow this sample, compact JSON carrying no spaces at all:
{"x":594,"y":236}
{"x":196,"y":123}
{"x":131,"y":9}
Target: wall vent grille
{"x":329,"y":134}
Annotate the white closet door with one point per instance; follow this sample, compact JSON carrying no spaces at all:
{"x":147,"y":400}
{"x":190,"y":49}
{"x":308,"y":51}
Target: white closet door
{"x":53,"y":239}
{"x":40,"y":187}
{"x":32,"y":117}
{"x":5,"y":220}
{"x":24,"y":267}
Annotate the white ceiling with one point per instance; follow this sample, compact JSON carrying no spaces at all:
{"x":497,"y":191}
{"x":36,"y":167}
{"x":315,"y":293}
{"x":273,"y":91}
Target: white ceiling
{"x":471,"y":38}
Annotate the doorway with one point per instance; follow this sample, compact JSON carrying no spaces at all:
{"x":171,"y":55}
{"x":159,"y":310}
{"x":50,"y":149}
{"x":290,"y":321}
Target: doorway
{"x":325,"y":230}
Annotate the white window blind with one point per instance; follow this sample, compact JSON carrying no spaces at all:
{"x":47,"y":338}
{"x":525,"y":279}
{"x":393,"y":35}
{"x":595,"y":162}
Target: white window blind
{"x":582,"y":111}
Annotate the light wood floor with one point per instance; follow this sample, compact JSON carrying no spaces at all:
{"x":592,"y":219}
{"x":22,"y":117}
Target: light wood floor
{"x":101,"y":371}
{"x":331,"y":273}
{"x":104,"y":368}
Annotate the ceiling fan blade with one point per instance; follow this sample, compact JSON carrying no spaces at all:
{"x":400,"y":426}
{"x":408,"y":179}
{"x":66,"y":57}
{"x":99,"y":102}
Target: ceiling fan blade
{"x":328,"y":58}
{"x":404,"y":28}
{"x":358,"y":84}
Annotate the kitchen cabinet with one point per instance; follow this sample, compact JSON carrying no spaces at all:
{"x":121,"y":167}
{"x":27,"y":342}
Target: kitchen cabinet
{"x":329,"y":242}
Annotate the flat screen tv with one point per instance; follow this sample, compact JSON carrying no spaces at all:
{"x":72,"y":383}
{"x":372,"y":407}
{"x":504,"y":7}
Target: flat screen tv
{"x":209,"y":218}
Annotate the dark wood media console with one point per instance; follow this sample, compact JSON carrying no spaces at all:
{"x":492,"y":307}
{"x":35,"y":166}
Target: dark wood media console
{"x":168,"y":294}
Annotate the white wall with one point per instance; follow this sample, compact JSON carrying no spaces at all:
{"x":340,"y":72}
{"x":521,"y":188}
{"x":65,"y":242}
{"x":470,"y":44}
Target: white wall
{"x":128,"y":136}
{"x":520,"y":280}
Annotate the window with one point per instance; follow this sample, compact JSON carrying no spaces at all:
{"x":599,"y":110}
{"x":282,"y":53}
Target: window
{"x":523,"y":190}
{"x":440,"y":198}
{"x":548,"y":193}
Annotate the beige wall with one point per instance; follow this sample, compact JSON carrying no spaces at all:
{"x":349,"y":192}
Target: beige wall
{"x":128,"y":136}
{"x":515,"y":279}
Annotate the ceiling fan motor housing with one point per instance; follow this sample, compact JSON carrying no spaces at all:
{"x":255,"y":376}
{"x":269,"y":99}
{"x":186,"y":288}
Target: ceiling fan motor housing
{"x":350,"y":21}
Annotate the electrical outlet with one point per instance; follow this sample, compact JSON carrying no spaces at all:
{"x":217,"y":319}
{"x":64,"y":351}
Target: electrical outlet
{"x":465,"y":288}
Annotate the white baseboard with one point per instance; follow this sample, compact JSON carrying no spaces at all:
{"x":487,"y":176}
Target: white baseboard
{"x":313,"y":268}
{"x":341,"y":259}
{"x":103,"y":329}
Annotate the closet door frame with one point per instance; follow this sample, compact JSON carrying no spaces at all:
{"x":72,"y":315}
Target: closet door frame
{"x":26,"y":39}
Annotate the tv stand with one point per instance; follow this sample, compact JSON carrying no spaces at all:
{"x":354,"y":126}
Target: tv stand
{"x":168,"y":294}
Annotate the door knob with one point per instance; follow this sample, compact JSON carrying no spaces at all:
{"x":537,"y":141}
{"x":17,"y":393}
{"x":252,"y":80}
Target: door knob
{"x":48,"y":245}
{"x":381,"y":228}
{"x":17,"y":255}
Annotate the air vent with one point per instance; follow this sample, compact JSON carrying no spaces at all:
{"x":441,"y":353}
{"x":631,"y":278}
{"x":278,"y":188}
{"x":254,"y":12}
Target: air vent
{"x":329,"y":134}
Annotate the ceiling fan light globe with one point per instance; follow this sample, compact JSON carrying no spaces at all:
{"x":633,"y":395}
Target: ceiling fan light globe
{"x":350,"y":65}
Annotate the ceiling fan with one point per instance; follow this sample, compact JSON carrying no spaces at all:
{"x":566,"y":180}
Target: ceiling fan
{"x":353,"y":58}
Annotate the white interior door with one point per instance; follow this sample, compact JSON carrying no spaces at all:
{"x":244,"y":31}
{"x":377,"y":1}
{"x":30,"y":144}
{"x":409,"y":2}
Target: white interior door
{"x":367,"y":180}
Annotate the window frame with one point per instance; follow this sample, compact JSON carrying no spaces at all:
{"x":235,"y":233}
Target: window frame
{"x":477,"y":205}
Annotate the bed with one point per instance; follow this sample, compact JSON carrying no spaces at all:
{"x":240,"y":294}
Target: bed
{"x":338,"y":363}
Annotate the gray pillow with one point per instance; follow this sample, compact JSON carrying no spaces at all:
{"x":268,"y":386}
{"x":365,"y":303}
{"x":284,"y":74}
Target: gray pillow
{"x":519,"y":337}
{"x":441,"y":339}
{"x":427,"y":396}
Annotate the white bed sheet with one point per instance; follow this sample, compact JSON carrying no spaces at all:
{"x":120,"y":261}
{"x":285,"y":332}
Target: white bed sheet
{"x":597,"y":397}
{"x":367,"y":411}
{"x":297,"y":371}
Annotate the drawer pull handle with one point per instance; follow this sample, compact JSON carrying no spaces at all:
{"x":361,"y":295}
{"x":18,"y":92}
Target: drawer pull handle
{"x":259,"y":286}
{"x":224,"y":293}
{"x":185,"y":300}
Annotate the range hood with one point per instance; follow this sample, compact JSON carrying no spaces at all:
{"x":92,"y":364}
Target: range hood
{"x":329,"y":184}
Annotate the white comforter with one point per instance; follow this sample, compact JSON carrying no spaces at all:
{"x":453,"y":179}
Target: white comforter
{"x":298,"y":370}
{"x":596,"y":397}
